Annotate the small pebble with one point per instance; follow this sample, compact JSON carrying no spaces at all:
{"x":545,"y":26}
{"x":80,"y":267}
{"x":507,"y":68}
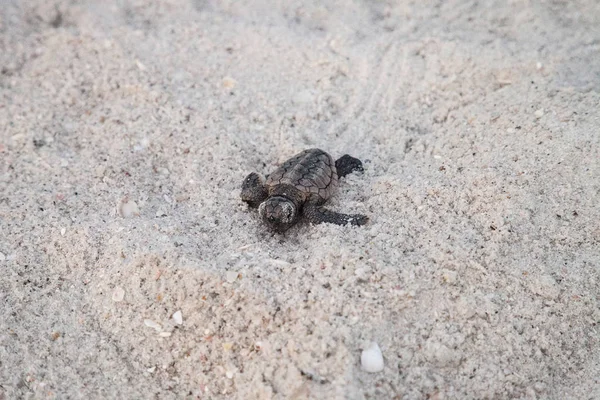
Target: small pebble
{"x":371,"y":359}
{"x":440,"y":355}
{"x":279,"y":263}
{"x":128,"y":208}
{"x":229,"y":82}
{"x":100,"y":170}
{"x":63,"y":231}
{"x":229,"y":375}
{"x":231,"y":276}
{"x":539,"y":386}
{"x":118,"y":294}
{"x":227,"y":346}
{"x":449,"y":276}
{"x":546,"y":287}
{"x":539,"y":113}
{"x":178,"y":317}
{"x":303,"y":97}
{"x":151,"y":324}
{"x":164,"y":334}
{"x":163,"y":171}
{"x":360,"y":272}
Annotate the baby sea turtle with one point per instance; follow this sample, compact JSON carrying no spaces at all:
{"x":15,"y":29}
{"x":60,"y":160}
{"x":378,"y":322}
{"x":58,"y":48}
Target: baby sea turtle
{"x":300,"y":187}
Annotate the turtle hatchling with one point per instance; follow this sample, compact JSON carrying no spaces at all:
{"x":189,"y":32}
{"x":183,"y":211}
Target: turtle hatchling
{"x":300,"y":187}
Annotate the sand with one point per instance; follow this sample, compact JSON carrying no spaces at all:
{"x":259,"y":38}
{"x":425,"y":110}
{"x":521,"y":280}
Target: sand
{"x":126,"y":128}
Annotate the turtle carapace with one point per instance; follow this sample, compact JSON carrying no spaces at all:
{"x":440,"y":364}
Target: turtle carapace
{"x":300,"y":187}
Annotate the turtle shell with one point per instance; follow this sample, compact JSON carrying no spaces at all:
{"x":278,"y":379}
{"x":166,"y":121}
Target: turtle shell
{"x":311,"y":171}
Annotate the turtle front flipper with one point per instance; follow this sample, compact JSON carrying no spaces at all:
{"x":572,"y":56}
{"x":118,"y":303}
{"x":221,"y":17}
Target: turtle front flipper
{"x":254,"y":191}
{"x":317,"y":215}
{"x":347,"y":164}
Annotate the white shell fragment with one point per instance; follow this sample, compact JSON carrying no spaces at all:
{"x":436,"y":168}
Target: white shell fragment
{"x":128,"y":208}
{"x":231,"y":276}
{"x":449,"y":276}
{"x":546,"y":287}
{"x":371,"y":358}
{"x":178,"y":317}
{"x":154,"y":325}
{"x":118,"y":294}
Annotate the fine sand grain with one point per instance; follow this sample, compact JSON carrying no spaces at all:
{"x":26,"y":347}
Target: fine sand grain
{"x":130,"y":269}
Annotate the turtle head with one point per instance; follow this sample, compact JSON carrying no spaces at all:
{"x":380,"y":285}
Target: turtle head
{"x":278,"y":212}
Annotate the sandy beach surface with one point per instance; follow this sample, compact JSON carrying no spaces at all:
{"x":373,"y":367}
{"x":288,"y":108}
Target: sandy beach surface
{"x":130,"y":269}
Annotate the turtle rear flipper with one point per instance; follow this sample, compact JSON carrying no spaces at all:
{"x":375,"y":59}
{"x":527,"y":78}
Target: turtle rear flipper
{"x":347,"y":164}
{"x":254,"y":191}
{"x":318,"y":215}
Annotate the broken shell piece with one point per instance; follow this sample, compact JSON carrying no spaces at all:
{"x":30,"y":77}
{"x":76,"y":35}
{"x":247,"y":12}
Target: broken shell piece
{"x":231,"y":276}
{"x":118,"y":294}
{"x":128,"y":208}
{"x":371,"y":359}
{"x":154,"y":325}
{"x":178,"y":317}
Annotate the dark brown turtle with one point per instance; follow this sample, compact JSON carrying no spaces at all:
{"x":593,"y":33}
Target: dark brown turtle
{"x":300,"y":187}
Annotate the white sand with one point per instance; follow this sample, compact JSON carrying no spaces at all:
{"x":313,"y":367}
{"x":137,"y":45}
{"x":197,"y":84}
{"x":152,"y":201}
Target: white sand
{"x":478,"y":275}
